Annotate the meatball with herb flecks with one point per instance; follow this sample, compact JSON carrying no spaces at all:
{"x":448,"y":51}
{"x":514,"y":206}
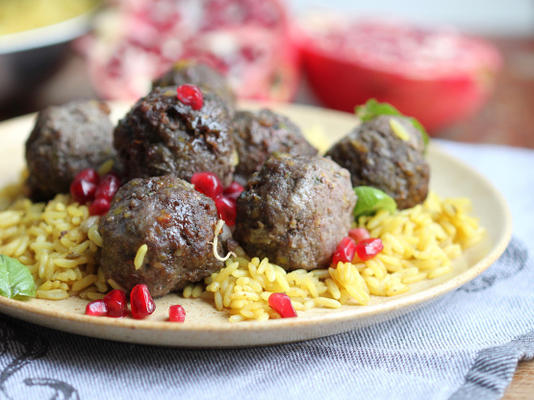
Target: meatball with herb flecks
{"x":177,"y":225}
{"x":386,"y":152}
{"x":65,"y":140}
{"x":163,"y":135}
{"x":295,"y":210}
{"x":258,"y":134}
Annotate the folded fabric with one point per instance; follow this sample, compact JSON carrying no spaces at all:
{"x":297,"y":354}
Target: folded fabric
{"x":464,"y":345}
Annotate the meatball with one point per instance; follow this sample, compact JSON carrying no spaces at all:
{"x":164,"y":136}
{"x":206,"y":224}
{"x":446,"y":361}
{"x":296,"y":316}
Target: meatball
{"x":380,"y":154}
{"x":160,"y":136}
{"x":176,"y":223}
{"x":295,"y":210}
{"x":196,"y":73}
{"x":259,"y":134}
{"x":65,"y":140}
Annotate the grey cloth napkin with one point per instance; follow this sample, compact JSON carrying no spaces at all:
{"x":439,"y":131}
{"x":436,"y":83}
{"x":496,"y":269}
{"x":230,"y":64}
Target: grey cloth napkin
{"x":465,"y":345}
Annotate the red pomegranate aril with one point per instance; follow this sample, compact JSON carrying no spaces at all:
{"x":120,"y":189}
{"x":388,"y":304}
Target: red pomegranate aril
{"x":96,"y":308}
{"x":82,"y":191}
{"x":281,"y":303}
{"x":345,"y":251}
{"x":359,"y":234}
{"x":176,"y":313}
{"x":190,"y":95}
{"x":141,"y":301}
{"x":89,"y":175}
{"x":233,"y":191}
{"x":108,"y":187}
{"x":99,"y":206}
{"x":207,"y":183}
{"x":116,"y":303}
{"x":227,"y":209}
{"x":368,"y":248}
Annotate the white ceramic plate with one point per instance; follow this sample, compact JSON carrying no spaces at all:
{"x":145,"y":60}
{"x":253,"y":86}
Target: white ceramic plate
{"x":206,"y":327}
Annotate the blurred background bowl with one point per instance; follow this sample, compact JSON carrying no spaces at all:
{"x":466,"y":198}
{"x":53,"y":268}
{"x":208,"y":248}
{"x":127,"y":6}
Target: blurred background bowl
{"x":28,"y":58}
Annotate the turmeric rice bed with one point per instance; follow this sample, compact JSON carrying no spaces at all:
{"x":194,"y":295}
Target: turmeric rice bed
{"x":58,"y":241}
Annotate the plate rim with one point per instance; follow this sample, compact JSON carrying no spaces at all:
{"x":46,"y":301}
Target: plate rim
{"x":343,"y":316}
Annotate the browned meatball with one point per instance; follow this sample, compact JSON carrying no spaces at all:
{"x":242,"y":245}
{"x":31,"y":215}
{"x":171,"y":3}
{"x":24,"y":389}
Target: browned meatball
{"x":160,"y":136}
{"x":295,"y":210}
{"x":377,"y":156}
{"x":176,"y":223}
{"x":259,"y":134}
{"x":193,"y":72}
{"x":65,"y":140}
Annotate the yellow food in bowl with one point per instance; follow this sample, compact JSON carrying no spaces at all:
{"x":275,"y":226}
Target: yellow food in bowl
{"x":21,"y":15}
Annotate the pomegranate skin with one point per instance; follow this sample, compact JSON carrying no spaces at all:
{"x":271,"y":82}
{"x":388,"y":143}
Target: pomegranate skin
{"x":436,"y":99}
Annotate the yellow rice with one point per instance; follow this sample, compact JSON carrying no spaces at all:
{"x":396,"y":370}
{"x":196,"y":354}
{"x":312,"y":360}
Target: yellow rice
{"x":58,"y":242}
{"x":419,"y":243}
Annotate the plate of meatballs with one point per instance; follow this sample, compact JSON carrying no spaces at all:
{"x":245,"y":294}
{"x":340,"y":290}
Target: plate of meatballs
{"x":192,"y":219}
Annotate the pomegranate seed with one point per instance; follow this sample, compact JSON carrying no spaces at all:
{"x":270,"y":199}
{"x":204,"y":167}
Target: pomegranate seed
{"x":89,"y":175}
{"x":96,"y":308}
{"x":344,"y":251}
{"x":368,"y":248}
{"x":227,"y":209}
{"x":190,"y":95}
{"x":281,"y":303}
{"x":116,"y":303}
{"x":82,"y":191}
{"x":108,"y":187}
{"x":233,"y":191}
{"x":141,"y":301}
{"x":99,"y":207}
{"x":359,"y":234}
{"x":176,"y":313}
{"x":207,"y":183}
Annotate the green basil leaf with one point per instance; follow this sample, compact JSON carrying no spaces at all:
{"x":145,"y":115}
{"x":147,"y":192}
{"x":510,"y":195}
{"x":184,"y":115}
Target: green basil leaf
{"x":16,"y":281}
{"x":373,"y":109}
{"x":371,"y":200}
{"x":5,"y":289}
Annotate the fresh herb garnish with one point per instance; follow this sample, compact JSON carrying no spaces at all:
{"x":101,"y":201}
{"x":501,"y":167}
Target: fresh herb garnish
{"x":371,"y":200}
{"x":373,"y":109}
{"x":16,"y":281}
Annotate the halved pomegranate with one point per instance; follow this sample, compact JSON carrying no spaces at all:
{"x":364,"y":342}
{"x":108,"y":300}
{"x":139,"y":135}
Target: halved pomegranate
{"x":435,"y":75}
{"x":246,"y":39}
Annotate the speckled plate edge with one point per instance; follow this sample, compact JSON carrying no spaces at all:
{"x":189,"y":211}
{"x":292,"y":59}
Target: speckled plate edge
{"x":208,"y":333}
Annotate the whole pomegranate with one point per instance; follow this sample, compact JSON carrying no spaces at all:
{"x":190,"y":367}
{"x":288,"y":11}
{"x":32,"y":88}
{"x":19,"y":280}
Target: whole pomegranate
{"x":435,"y":75}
